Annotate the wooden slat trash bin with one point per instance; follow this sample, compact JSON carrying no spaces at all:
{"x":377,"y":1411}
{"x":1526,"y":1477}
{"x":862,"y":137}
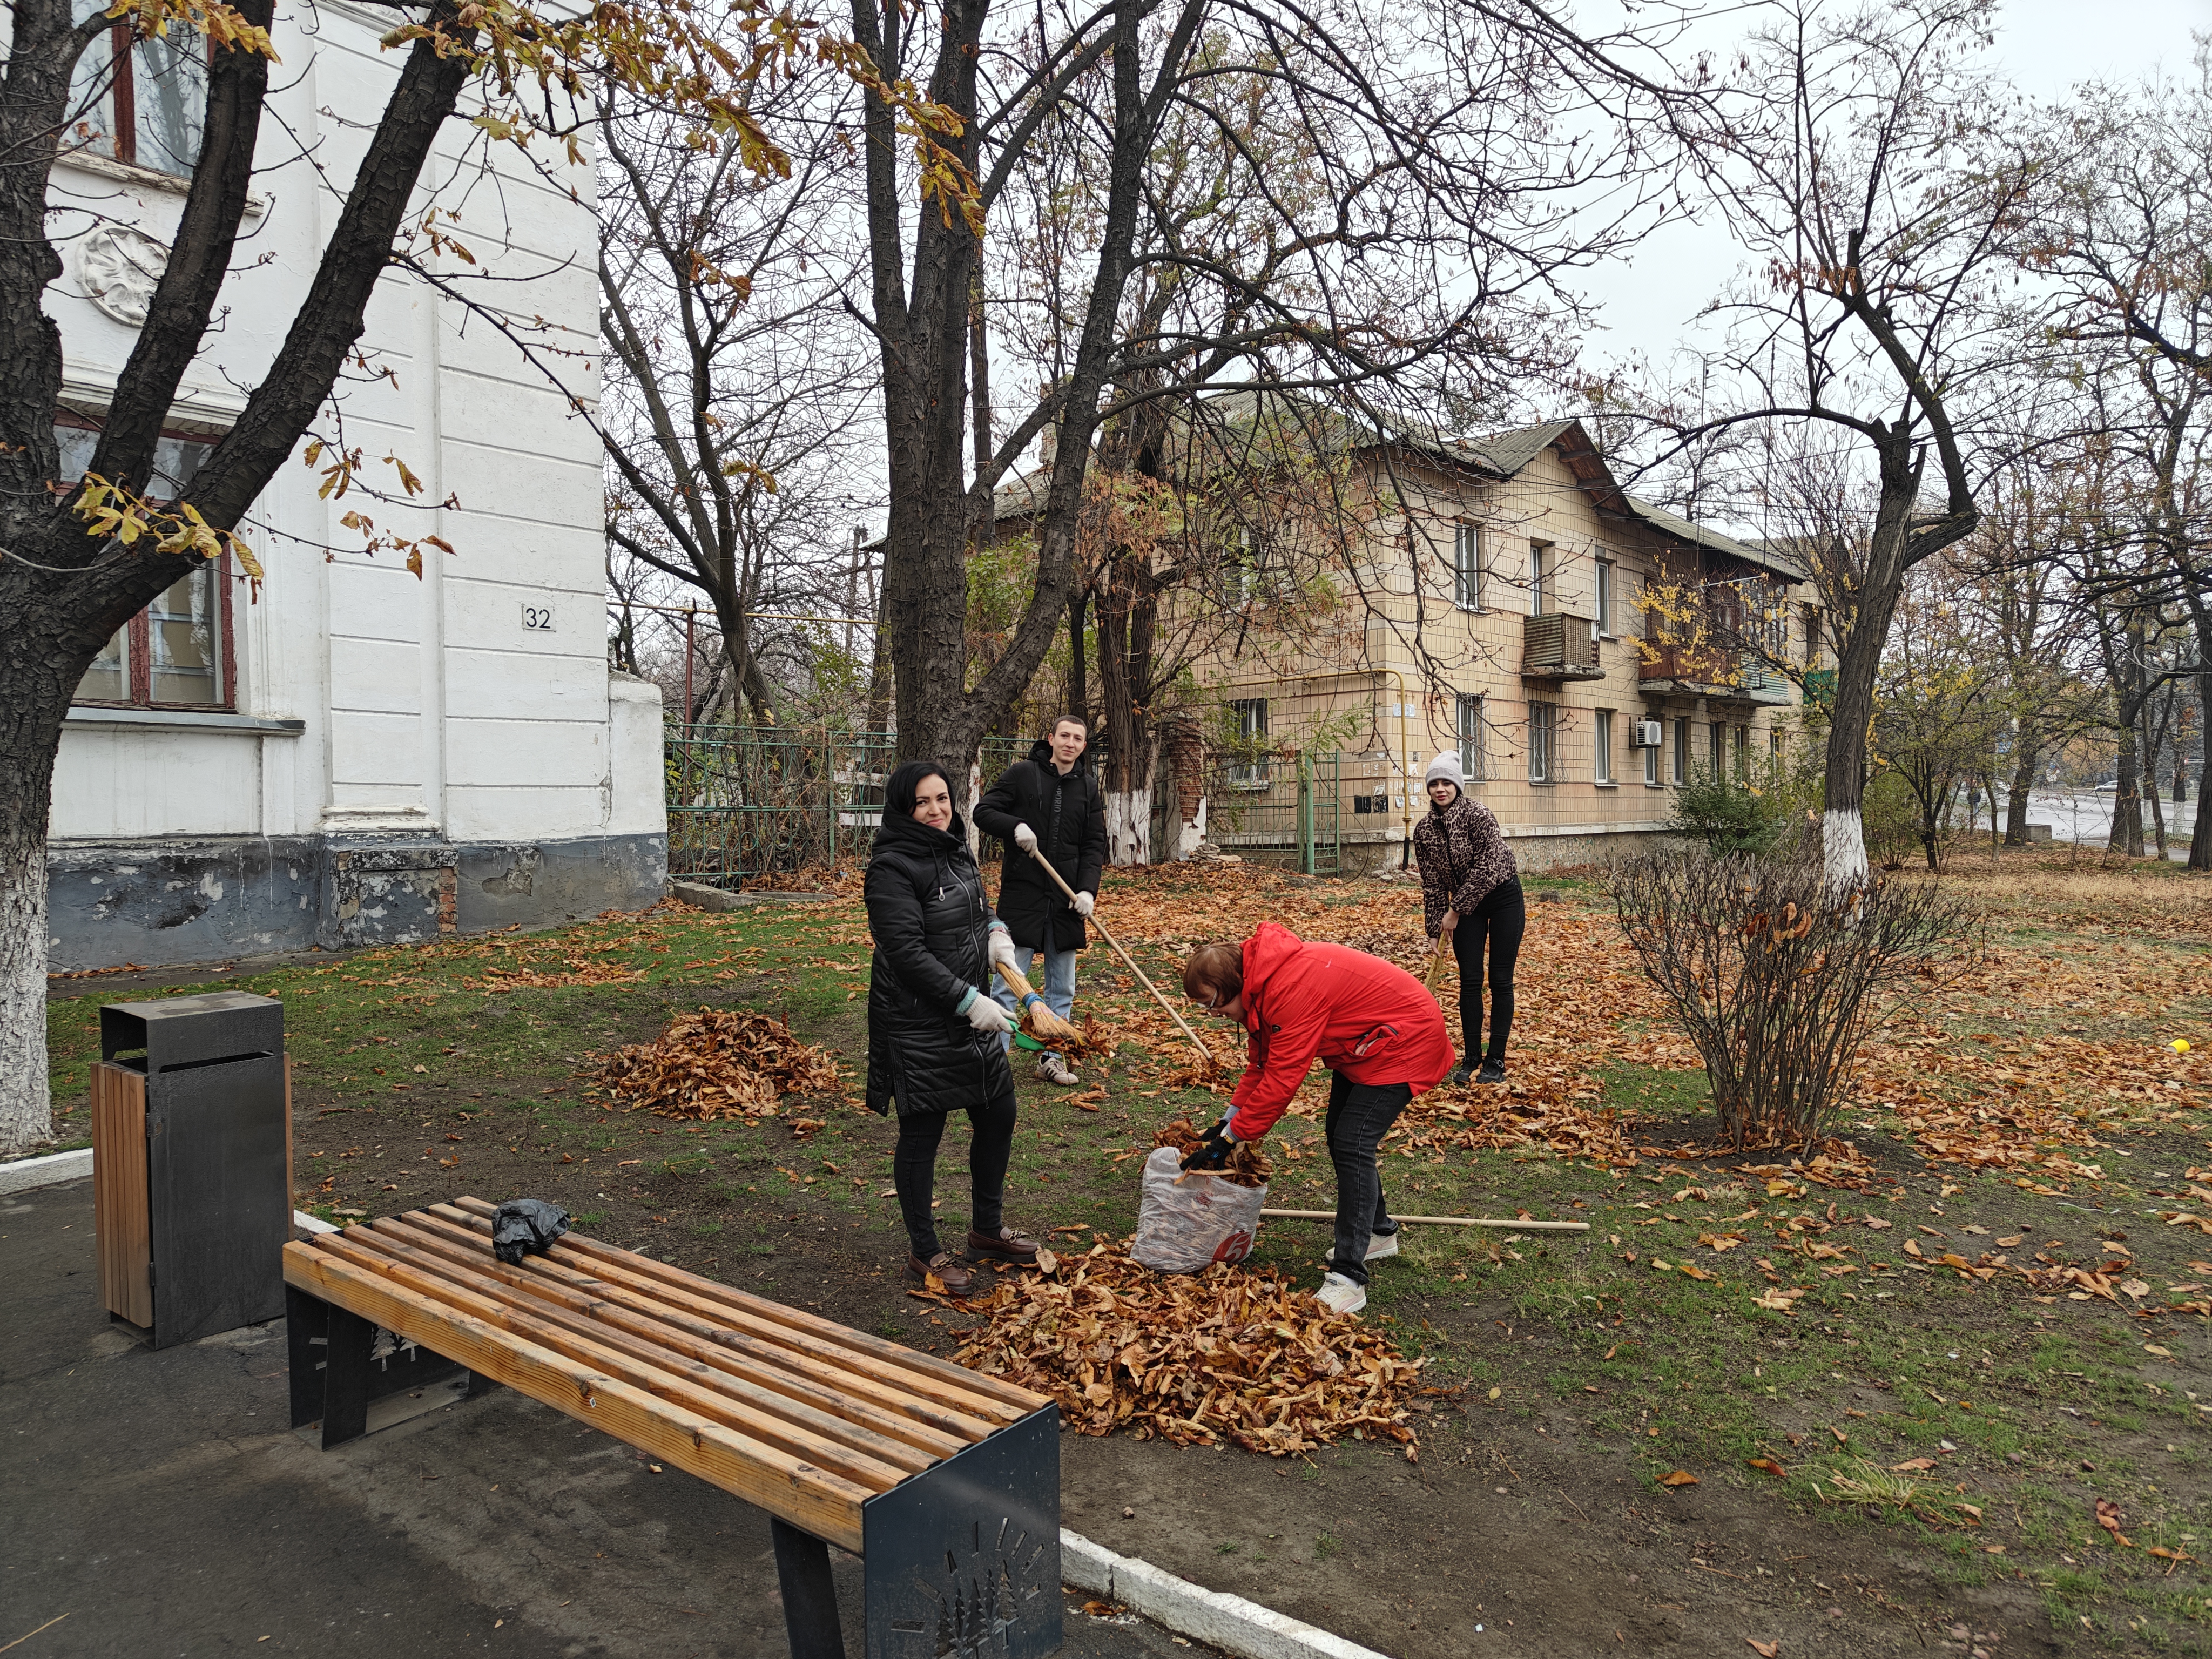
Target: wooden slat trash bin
{"x":946,"y":1482}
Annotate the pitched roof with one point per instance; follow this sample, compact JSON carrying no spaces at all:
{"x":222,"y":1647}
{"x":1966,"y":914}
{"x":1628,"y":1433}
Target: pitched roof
{"x":1501,"y":455}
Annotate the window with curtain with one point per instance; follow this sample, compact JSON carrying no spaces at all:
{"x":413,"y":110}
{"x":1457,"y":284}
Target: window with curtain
{"x":1252,"y":727}
{"x":1543,"y":741}
{"x":1682,"y":751}
{"x":1602,"y":770}
{"x":174,"y":652}
{"x":1466,"y":567}
{"x":140,"y":101}
{"x":1470,"y":737}
{"x":1605,"y":597}
{"x":1651,"y":766}
{"x":1541,"y":578}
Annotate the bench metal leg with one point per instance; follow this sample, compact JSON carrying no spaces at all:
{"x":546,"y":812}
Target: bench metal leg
{"x":810,"y":1598}
{"x":346,"y":1378}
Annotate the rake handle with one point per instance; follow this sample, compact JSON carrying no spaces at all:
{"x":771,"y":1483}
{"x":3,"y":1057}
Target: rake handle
{"x":1439,"y":1221}
{"x":1061,"y":882}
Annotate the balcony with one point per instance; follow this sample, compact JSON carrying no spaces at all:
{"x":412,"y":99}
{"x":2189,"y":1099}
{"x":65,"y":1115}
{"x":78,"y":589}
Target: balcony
{"x":1716,"y":675}
{"x":1558,"y":646}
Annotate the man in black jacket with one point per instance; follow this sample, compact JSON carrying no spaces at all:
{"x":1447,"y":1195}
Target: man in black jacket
{"x":1049,"y":803}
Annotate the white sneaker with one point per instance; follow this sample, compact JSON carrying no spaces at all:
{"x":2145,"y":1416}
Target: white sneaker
{"x":1378,"y":1246}
{"x":1052,"y":1069}
{"x":1340,"y":1295}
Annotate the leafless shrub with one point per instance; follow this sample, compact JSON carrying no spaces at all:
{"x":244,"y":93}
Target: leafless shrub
{"x":1777,"y":985}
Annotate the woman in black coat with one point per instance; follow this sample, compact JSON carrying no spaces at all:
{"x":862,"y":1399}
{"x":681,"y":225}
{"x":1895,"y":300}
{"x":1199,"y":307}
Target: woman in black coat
{"x":934,"y":1032}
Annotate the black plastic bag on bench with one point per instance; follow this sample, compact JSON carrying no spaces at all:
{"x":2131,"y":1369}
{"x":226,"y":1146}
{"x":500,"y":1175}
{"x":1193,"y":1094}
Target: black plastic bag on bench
{"x":525,"y":1226}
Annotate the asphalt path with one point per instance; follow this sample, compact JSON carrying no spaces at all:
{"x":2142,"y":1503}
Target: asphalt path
{"x":158,"y":1504}
{"x":2086,"y":816}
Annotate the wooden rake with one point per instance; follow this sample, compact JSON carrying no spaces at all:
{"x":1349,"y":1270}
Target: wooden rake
{"x":1207,"y":1054}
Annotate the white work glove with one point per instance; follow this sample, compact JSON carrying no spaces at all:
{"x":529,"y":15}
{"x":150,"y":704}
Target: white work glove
{"x":1025,"y":838}
{"x":1002,"y":950}
{"x":985,"y":1015}
{"x":1085,"y":904}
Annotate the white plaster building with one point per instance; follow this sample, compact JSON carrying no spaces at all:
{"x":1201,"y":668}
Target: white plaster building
{"x":353,"y":755}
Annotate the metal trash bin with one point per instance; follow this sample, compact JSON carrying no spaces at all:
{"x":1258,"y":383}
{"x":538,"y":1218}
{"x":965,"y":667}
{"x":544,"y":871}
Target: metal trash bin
{"x":192,"y":1156}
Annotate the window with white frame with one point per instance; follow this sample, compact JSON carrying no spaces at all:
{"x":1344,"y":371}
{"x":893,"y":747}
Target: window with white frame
{"x":1605,"y":575}
{"x":1682,"y":751}
{"x":1543,"y":741}
{"x":1467,"y":566}
{"x":1717,"y":749}
{"x":1742,"y":752}
{"x":1602,"y":768}
{"x":1543,"y":574}
{"x":1652,"y":767}
{"x":1251,"y":714}
{"x":142,"y":101}
{"x":1240,"y":570}
{"x":1774,"y":745}
{"x":1470,"y":737}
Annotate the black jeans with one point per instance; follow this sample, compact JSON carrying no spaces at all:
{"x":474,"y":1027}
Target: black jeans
{"x":913,"y":1169}
{"x":1501,"y":919}
{"x":1359,"y":1115}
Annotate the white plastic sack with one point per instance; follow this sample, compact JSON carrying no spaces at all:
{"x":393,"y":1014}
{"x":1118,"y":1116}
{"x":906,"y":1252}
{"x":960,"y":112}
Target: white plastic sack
{"x":1208,"y":1218}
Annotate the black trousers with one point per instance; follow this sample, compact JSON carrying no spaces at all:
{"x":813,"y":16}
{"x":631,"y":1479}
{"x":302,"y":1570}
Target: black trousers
{"x":1499,"y":920}
{"x":913,"y":1169}
{"x":1359,"y":1115}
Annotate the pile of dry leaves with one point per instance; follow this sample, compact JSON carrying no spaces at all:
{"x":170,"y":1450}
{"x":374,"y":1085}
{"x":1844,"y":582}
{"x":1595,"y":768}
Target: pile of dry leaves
{"x":1247,"y":1165}
{"x":715,"y":1063}
{"x":1227,"y":1354}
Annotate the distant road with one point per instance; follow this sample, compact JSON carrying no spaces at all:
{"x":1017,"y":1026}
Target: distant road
{"x":2086,"y":816}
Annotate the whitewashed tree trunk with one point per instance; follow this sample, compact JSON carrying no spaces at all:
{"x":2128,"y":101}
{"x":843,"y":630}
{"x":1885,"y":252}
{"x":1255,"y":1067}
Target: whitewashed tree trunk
{"x":1843,"y":850}
{"x":1129,"y":827}
{"x":26,"y":1113}
{"x":1190,"y":834}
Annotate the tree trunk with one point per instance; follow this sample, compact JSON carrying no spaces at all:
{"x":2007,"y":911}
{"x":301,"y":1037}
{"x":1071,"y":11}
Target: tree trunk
{"x":2152,"y":736}
{"x":2200,"y":839}
{"x":2023,"y":779}
{"x":1079,"y":666}
{"x":2127,"y":834}
{"x":1843,"y":827}
{"x":32,"y":696}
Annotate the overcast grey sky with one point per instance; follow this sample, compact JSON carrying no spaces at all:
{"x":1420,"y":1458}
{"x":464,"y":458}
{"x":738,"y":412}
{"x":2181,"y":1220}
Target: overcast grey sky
{"x":2044,"y":46}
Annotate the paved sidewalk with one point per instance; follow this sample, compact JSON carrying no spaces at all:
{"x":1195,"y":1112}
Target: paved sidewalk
{"x":159,"y":1501}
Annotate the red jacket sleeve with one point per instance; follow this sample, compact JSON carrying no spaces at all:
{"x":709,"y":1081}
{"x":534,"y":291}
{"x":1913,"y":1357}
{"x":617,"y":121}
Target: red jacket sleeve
{"x":1280,"y":1054}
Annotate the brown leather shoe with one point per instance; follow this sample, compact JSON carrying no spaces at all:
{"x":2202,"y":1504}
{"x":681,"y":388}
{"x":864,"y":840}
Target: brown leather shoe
{"x":1008,"y":1246}
{"x":947,"y":1267}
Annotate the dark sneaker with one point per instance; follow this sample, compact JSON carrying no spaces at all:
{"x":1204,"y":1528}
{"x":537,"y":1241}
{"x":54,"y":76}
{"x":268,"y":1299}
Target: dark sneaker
{"x":950,"y":1273}
{"x":1008,"y":1246}
{"x":1460,"y":1075}
{"x":1493,"y":1070}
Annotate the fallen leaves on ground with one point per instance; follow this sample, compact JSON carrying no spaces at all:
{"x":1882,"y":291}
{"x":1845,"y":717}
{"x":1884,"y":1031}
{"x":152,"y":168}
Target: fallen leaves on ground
{"x":1678,"y":1477}
{"x":715,"y":1063}
{"x":1229,"y":1354}
{"x":1247,"y":1165}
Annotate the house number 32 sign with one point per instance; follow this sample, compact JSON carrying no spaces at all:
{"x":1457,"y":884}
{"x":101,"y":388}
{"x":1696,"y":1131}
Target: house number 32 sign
{"x":536,"y":618}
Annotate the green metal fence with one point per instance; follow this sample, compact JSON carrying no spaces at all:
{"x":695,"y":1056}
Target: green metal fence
{"x":747,"y":801}
{"x":1282,"y":810}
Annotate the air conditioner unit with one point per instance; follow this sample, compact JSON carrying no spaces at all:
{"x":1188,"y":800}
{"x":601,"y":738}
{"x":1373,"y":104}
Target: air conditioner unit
{"x":1646,"y":734}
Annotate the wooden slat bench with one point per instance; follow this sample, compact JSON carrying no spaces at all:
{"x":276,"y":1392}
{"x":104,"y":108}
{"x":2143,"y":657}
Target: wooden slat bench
{"x":945,"y":1481}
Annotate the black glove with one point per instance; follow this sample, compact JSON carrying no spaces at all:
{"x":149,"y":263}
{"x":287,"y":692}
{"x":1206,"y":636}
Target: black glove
{"x":1212,"y":1152}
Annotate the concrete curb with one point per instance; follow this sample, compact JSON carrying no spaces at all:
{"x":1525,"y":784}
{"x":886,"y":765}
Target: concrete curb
{"x":25,"y":1174}
{"x":1228,"y":1622}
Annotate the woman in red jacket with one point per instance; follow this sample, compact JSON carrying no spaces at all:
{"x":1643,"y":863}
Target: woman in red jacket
{"x":1370,"y":1024}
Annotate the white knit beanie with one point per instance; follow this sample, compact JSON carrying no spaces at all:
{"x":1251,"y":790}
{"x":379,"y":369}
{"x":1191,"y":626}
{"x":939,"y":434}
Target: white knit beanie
{"x":1446,"y":766}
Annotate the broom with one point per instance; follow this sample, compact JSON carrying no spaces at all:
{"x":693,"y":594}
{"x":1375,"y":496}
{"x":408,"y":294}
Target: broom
{"x":1039,"y":1021}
